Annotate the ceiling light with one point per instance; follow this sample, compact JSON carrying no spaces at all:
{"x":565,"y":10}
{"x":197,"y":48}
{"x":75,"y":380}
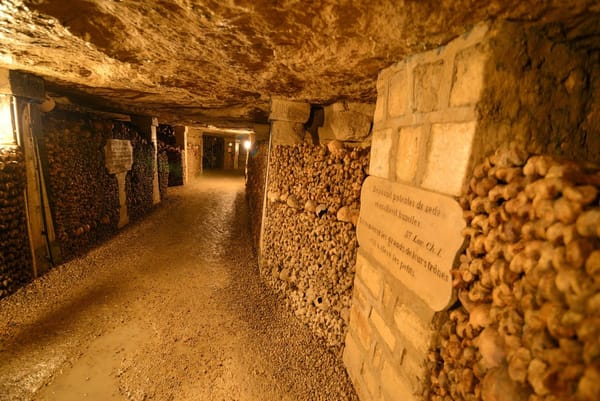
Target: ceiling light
{"x":7,"y":136}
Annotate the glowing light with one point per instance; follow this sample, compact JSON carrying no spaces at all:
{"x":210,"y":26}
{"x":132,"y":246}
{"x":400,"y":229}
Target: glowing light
{"x":247,"y":144}
{"x":6,"y":125}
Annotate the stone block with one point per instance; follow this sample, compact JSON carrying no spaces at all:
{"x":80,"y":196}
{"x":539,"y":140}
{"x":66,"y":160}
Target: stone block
{"x":394,"y":385}
{"x":359,"y":298}
{"x":361,"y":325}
{"x":449,"y":155}
{"x":369,"y":275}
{"x":413,"y":327}
{"x":288,"y":110}
{"x":261,"y":131}
{"x":427,"y":84}
{"x":410,"y":144}
{"x":21,"y":84}
{"x":377,"y":356}
{"x":353,"y":355}
{"x":388,"y":297}
{"x":399,"y":94}
{"x":381,"y":147}
{"x":350,"y":122}
{"x":383,"y":329}
{"x":287,"y":133}
{"x":371,"y":382}
{"x":325,"y":131}
{"x":469,"y":68}
{"x":380,"y":105}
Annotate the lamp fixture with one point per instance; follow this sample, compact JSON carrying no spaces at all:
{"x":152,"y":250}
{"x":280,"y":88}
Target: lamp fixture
{"x":7,"y":135}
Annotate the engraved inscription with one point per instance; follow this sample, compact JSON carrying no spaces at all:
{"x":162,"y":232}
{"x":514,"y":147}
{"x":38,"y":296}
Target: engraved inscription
{"x":119,"y":155}
{"x":415,"y":234}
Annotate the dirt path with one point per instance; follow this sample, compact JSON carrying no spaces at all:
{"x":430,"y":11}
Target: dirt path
{"x":171,"y":309}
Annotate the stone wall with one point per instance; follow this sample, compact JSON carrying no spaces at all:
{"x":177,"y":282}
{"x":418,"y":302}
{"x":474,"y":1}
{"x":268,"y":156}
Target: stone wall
{"x":541,"y":88}
{"x":194,"y":152}
{"x":15,"y":256}
{"x":438,"y":114}
{"x":309,"y":244}
{"x":256,"y":175}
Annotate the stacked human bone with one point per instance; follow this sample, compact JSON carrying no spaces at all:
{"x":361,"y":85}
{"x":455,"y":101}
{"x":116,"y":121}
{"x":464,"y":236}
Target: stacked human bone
{"x":140,"y":178}
{"x":166,"y":135}
{"x":83,"y":196}
{"x":15,"y":260}
{"x":255,"y":186}
{"x":528,"y":327}
{"x":163,"y":169}
{"x":310,"y":242}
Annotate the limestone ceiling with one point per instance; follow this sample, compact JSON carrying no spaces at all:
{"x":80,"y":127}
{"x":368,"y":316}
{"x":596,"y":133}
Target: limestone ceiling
{"x":220,"y":62}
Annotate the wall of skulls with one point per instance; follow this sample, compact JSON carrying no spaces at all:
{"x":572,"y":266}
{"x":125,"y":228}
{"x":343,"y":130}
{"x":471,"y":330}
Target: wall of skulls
{"x":83,"y":196}
{"x":163,"y":169}
{"x":15,"y":257}
{"x":527,"y":326}
{"x":309,"y":246}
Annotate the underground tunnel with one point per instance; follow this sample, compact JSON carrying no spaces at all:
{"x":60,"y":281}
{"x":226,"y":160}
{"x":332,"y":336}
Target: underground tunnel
{"x":287,"y":200}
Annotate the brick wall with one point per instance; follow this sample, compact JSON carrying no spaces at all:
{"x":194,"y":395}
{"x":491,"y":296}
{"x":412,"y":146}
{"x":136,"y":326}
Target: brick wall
{"x":426,"y":105}
{"x":437,"y":115}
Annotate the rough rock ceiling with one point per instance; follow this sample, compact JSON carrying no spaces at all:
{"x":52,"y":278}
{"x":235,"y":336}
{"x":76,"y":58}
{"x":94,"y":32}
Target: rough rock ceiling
{"x":220,"y":62}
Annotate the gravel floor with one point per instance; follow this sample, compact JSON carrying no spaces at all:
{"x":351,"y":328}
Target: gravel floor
{"x":171,"y":309}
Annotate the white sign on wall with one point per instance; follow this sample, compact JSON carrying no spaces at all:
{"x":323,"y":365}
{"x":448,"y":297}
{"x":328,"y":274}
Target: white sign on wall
{"x":119,"y":155}
{"x":414,"y":233}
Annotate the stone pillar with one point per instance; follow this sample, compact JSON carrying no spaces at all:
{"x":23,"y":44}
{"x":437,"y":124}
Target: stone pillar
{"x":425,"y":122}
{"x":261,"y":132}
{"x":147,"y":126}
{"x":181,"y":141}
{"x":195,"y":152}
{"x":287,"y":121}
{"x":119,"y":158}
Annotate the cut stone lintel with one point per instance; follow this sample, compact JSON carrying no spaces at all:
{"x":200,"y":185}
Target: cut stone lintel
{"x":287,"y":133}
{"x":347,"y":122}
{"x":289,"y":110}
{"x":22,"y":85}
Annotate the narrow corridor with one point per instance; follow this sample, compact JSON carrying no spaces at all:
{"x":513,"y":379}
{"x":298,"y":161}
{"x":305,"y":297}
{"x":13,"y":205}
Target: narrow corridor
{"x":171,"y":309}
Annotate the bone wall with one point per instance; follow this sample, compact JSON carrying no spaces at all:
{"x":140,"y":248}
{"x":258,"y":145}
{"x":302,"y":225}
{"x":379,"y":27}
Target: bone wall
{"x":526,"y":326}
{"x":163,"y":169}
{"x":309,"y":245}
{"x":166,"y":135}
{"x":15,"y":257}
{"x":83,"y":196}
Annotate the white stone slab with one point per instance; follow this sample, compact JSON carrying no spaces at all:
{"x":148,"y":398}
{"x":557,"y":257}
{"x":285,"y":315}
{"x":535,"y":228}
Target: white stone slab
{"x":415,"y":234}
{"x":119,"y":155}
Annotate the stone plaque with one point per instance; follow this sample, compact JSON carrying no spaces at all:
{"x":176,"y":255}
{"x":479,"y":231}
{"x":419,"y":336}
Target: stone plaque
{"x":119,"y":158}
{"x":413,"y":233}
{"x":119,"y":155}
